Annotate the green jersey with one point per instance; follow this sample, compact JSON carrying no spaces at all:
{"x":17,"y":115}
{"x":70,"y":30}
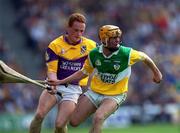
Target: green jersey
{"x":113,"y":68}
{"x":111,"y":72}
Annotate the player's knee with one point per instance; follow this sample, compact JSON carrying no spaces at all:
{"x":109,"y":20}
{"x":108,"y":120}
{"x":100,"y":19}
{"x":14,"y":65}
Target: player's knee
{"x":74,"y":123}
{"x":39,"y":116}
{"x":60,"y":124}
{"x":98,"y":118}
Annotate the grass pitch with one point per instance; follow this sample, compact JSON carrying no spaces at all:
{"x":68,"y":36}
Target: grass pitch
{"x":154,"y":128}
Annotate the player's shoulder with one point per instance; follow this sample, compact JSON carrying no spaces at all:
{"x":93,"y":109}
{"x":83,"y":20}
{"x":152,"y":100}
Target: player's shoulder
{"x":56,"y":41}
{"x":124,"y":48}
{"x":95,"y":53}
{"x":56,"y":44}
{"x":131,"y":50}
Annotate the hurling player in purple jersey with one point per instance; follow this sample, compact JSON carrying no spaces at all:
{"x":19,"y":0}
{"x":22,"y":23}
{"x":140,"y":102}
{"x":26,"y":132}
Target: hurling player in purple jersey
{"x":64,"y":56}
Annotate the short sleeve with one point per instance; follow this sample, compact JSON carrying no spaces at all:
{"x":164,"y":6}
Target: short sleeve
{"x":136,"y":56}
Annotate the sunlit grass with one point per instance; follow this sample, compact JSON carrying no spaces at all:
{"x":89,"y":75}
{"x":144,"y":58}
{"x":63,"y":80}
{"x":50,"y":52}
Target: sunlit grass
{"x":154,"y":128}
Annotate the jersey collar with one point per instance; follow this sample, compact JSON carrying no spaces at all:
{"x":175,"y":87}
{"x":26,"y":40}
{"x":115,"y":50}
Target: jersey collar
{"x":67,"y":41}
{"x":101,"y":51}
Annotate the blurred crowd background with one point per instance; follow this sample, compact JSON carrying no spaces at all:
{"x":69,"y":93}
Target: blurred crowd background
{"x":152,"y":26}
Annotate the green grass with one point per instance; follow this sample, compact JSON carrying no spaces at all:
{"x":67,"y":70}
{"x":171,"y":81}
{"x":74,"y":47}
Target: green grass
{"x":159,"y":128}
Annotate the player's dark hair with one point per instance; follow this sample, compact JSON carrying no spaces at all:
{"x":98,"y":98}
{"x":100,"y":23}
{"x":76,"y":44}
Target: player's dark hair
{"x":76,"y":17}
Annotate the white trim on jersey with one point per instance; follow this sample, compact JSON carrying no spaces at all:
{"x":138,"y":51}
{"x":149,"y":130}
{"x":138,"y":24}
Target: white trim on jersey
{"x":125,"y":73}
{"x":129,"y":58}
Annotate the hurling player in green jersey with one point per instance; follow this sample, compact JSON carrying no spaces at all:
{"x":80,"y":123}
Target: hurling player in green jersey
{"x":112,"y":65}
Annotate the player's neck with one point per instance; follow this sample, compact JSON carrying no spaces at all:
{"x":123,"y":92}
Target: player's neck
{"x":71,"y":42}
{"x":109,"y":51}
{"x":106,"y":51}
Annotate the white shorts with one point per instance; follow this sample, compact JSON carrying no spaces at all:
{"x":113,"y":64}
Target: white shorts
{"x":96,"y":98}
{"x":70,"y":93}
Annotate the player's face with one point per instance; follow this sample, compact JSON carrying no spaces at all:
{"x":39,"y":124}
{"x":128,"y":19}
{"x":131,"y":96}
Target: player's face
{"x":113,"y":42}
{"x":76,"y":31}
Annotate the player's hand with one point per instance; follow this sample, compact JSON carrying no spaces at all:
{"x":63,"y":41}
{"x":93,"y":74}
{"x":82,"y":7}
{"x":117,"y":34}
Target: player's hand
{"x":157,"y":77}
{"x":51,"y":89}
{"x":54,"y":82}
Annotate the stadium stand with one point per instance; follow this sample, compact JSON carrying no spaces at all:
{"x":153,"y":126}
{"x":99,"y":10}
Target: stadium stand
{"x":150,"y":25}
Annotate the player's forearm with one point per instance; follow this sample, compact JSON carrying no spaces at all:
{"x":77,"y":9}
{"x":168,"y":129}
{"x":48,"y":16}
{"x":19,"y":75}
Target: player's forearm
{"x":149,"y":62}
{"x":73,"y":78}
{"x":52,"y":75}
{"x":157,"y":74}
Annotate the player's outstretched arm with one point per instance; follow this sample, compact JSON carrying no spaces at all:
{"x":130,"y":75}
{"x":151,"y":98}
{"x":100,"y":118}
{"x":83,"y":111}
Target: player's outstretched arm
{"x":74,"y":77}
{"x":157,"y":75}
